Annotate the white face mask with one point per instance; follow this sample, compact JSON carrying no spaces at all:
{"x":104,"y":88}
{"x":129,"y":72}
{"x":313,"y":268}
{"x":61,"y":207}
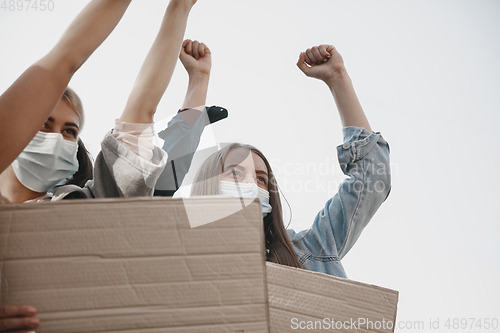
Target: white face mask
{"x":247,"y":190}
{"x":46,"y":161}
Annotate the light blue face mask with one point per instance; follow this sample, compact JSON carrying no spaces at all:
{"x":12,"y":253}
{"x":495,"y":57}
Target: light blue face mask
{"x":247,"y":190}
{"x":46,"y":161}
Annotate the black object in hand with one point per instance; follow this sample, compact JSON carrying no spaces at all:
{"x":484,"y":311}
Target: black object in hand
{"x":216,"y":113}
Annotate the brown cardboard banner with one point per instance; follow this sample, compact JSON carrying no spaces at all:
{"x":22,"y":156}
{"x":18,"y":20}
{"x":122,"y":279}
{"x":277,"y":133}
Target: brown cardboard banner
{"x":135,"y":265}
{"x":139,"y":265}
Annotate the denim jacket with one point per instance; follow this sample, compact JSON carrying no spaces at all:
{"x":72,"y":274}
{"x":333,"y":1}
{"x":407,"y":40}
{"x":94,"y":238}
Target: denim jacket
{"x":364,"y":158}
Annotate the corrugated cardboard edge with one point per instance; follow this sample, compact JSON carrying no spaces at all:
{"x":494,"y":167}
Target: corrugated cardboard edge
{"x":309,"y":274}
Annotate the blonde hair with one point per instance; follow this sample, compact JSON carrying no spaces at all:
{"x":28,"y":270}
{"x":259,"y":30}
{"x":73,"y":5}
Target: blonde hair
{"x":85,"y":166}
{"x":75,"y":102}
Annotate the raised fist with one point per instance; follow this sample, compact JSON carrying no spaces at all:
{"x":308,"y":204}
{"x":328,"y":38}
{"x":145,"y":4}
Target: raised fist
{"x":196,"y":57}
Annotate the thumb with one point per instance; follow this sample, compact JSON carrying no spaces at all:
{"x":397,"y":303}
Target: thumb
{"x":183,"y":51}
{"x":301,"y":63}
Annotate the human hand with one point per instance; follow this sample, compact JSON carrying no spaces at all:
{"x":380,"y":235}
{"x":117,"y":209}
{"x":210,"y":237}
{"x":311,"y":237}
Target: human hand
{"x":322,"y":62}
{"x":196,"y":57}
{"x":18,"y":318}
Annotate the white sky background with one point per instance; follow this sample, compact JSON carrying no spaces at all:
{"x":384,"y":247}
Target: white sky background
{"x":427,"y":74}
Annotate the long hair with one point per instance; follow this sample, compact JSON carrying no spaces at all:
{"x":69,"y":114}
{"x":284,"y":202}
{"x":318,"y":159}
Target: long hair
{"x":85,"y":165}
{"x":207,"y":182}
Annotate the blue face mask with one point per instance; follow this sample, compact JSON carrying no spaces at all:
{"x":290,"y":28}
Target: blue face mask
{"x":46,"y":161}
{"x":247,"y":190}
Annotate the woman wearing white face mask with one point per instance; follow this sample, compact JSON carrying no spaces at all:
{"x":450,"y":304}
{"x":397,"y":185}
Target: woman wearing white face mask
{"x":240,"y":170}
{"x":27,"y":105}
{"x":55,"y":155}
{"x":29,"y":101}
{"x":128,"y":164}
{"x":237,"y":169}
{"x":130,"y":143}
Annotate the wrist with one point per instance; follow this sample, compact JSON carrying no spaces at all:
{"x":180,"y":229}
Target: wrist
{"x":338,"y":74}
{"x":199,"y":77}
{"x":180,"y":6}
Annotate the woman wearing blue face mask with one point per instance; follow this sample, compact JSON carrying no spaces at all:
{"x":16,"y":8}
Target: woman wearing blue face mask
{"x":243,"y":171}
{"x":128,"y":164}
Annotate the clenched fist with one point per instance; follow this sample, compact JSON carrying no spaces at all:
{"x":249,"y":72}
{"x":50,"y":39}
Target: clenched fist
{"x":196,"y":57}
{"x":322,"y":62}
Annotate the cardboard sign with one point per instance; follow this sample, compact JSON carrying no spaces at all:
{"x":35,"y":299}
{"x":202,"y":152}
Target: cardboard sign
{"x":135,"y":265}
{"x":301,"y":300}
{"x":139,"y":265}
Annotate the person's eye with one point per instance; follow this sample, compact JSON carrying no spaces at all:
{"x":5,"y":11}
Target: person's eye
{"x":234,"y":173}
{"x":71,"y":132}
{"x":45,"y":127}
{"x":262,"y":180}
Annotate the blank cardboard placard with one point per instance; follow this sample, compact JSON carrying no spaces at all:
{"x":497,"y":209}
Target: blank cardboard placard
{"x":317,"y":302}
{"x":135,"y":265}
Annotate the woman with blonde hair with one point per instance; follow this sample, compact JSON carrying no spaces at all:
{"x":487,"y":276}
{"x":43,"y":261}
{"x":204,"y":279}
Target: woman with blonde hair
{"x":240,"y":170}
{"x":128,"y":164}
{"x":53,"y":157}
{"x":39,"y":98}
{"x":30,"y":100}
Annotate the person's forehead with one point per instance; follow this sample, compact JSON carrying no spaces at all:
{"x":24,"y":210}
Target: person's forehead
{"x":63,"y":112}
{"x":244,"y":157}
{"x":259,"y":162}
{"x":237,"y":156}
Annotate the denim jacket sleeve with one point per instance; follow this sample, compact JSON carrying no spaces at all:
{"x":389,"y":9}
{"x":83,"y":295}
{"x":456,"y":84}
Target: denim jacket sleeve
{"x":181,"y":142}
{"x":364,"y":159}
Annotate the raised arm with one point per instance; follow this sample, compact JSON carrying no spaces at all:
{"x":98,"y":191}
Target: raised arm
{"x":36,"y":92}
{"x":363,"y":158}
{"x":181,"y":140}
{"x":129,"y":157}
{"x":197,"y":60}
{"x":157,"y":69}
{"x":325,"y":63}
